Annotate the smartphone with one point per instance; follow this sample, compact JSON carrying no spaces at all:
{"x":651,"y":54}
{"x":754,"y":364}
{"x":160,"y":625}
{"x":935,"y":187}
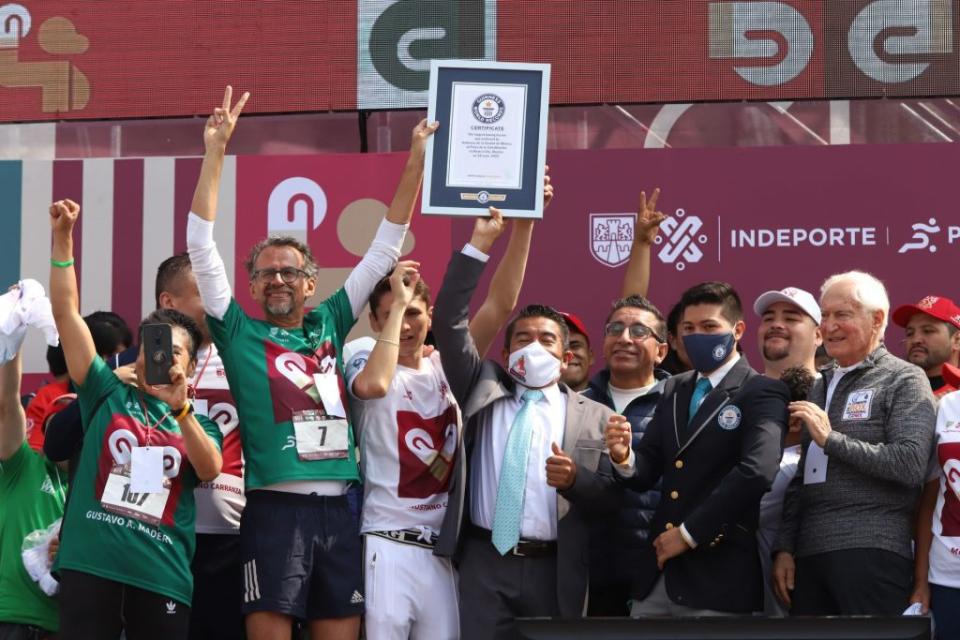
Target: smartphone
{"x":157,"y":353}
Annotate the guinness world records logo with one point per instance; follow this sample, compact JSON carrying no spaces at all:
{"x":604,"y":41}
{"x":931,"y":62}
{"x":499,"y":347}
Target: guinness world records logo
{"x":488,"y":108}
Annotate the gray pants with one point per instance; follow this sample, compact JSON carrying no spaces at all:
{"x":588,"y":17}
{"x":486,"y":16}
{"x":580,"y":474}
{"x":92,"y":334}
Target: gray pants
{"x":658,"y":604}
{"x":495,"y":589}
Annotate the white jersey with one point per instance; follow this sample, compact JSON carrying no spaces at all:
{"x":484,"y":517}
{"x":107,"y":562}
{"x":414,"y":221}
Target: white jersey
{"x":408,"y":442}
{"x":220,"y":501}
{"x":945,"y":549}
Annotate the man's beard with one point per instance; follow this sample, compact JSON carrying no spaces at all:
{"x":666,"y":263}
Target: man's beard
{"x":927,"y":360}
{"x":774,"y":354}
{"x":281,"y":309}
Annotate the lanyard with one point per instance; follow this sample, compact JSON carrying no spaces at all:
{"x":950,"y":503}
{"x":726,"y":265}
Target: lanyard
{"x":146,"y":417}
{"x":199,"y":377}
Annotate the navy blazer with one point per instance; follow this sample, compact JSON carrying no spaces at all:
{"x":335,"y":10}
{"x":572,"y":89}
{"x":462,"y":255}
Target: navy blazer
{"x":715,"y":469}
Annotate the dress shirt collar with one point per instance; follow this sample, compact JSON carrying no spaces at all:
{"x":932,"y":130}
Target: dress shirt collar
{"x":551,"y":394}
{"x":717,"y":376}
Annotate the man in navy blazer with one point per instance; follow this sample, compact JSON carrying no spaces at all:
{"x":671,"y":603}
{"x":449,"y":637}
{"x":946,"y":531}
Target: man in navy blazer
{"x":715,"y":440}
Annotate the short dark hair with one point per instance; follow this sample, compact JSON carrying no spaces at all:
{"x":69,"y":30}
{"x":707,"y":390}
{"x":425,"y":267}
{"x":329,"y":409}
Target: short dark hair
{"x":309,"y":264}
{"x":169,"y":272}
{"x":539,"y":311}
{"x":176,"y":319}
{"x":719,"y":293}
{"x":639,"y":302}
{"x":673,"y":319}
{"x":109,"y":332}
{"x":56,"y":361}
{"x":420,"y":290}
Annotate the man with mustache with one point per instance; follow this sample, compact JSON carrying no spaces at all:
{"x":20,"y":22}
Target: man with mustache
{"x":300,"y":530}
{"x":788,"y":336}
{"x":932,"y":337}
{"x":634,"y":345}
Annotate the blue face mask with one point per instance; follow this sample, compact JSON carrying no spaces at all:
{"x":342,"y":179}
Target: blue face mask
{"x":708,"y":351}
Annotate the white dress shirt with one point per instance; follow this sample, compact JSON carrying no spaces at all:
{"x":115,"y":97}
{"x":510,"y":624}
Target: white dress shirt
{"x":549,"y":416}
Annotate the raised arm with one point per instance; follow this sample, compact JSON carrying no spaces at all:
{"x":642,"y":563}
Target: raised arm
{"x":384,"y":252}
{"x":78,"y":348}
{"x":505,"y":286}
{"x":374,"y":379}
{"x":205,"y":260}
{"x":13,"y":423}
{"x":636,"y":280}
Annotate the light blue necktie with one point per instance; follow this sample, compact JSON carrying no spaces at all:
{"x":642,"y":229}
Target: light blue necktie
{"x":699,"y":393}
{"x":508,"y":513}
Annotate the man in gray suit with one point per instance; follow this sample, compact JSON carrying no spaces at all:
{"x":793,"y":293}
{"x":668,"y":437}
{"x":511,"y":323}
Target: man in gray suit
{"x":533,"y":469}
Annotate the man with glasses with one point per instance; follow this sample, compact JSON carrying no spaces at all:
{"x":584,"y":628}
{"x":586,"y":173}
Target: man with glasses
{"x":630,"y":384}
{"x":300,"y":532}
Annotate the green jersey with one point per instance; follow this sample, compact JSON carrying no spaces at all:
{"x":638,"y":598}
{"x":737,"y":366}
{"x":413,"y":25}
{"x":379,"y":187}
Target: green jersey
{"x":32,"y":491}
{"x":290,"y":395}
{"x":137,"y":538}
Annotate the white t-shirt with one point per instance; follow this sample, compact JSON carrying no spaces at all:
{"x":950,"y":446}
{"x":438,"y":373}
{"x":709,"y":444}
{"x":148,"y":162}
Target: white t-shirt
{"x":220,"y":501}
{"x":945,"y":549}
{"x":408,"y":443}
{"x":623,"y":397}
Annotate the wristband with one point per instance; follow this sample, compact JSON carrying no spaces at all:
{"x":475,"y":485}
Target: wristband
{"x":393,"y":342}
{"x":184,"y":412}
{"x":63,"y":264}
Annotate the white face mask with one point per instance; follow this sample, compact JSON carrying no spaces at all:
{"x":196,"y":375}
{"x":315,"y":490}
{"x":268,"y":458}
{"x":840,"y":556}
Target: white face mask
{"x":533,"y":366}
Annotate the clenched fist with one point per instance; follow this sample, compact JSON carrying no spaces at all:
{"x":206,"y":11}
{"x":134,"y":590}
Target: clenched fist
{"x":618,"y":437}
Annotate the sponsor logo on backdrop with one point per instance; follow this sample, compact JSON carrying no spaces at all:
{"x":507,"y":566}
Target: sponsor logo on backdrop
{"x":681,"y":240}
{"x":886,"y":40}
{"x":296,"y":205}
{"x":397,"y":40}
{"x":923,"y":232}
{"x":63,"y":86}
{"x":611,"y":236}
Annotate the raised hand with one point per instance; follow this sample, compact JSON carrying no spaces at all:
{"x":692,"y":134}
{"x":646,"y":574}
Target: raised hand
{"x":63,"y":215}
{"x":648,"y":218}
{"x":220,"y":125}
{"x":487,"y":229}
{"x":618,"y":437}
{"x":561,"y":469}
{"x":547,"y":187}
{"x":403,"y":281}
{"x":418,"y":140}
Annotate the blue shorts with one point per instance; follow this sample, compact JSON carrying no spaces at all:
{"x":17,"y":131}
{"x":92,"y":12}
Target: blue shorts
{"x":302,"y":555}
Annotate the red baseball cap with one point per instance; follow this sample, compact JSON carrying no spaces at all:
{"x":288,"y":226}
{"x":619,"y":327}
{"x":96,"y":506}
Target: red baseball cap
{"x":935,"y":306}
{"x":951,"y":375}
{"x":576,"y":324}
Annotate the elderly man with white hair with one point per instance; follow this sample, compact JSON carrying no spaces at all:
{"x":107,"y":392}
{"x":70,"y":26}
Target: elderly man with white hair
{"x":844,"y":546}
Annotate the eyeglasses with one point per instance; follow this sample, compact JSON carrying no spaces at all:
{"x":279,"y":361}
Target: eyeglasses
{"x":638,"y":331}
{"x":289,"y":275}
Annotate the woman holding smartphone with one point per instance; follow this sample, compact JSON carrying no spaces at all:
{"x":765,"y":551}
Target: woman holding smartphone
{"x":128,"y":533}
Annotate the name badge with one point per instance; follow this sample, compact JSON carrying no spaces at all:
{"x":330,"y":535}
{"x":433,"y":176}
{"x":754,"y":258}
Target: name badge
{"x":319,"y":436}
{"x":858,"y":405}
{"x":118,"y":498}
{"x":146,"y":469}
{"x":815,"y":467}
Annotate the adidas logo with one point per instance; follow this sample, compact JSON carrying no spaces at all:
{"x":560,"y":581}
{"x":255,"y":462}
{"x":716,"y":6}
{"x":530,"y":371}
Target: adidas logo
{"x":47,"y":487}
{"x":356,"y":598}
{"x":171,"y":607}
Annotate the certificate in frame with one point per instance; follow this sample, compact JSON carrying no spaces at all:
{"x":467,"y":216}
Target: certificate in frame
{"x":491,"y":146}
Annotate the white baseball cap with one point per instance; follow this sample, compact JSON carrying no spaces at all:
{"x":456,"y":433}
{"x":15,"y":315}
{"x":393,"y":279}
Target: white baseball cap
{"x":799,"y":297}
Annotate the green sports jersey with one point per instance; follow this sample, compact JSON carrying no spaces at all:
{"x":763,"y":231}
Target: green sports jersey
{"x":141,"y":539}
{"x":32,"y":491}
{"x":276,"y":376}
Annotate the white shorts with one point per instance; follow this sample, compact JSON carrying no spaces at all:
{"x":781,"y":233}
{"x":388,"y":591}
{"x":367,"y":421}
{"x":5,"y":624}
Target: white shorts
{"x":410,"y":593}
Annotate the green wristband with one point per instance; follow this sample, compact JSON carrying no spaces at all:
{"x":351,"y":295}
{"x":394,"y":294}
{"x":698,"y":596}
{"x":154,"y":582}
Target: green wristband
{"x":63,"y":264}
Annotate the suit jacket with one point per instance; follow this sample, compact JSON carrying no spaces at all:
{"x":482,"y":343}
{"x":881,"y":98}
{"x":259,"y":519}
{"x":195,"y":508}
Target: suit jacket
{"x":477,"y":384}
{"x":715,"y":470}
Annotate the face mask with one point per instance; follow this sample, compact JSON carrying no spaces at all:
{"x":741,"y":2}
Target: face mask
{"x":707,"y":351}
{"x":533,"y":366}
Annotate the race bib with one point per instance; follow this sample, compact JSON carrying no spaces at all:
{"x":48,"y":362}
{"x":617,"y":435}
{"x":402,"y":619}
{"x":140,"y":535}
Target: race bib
{"x":319,"y":436}
{"x":118,"y":498}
